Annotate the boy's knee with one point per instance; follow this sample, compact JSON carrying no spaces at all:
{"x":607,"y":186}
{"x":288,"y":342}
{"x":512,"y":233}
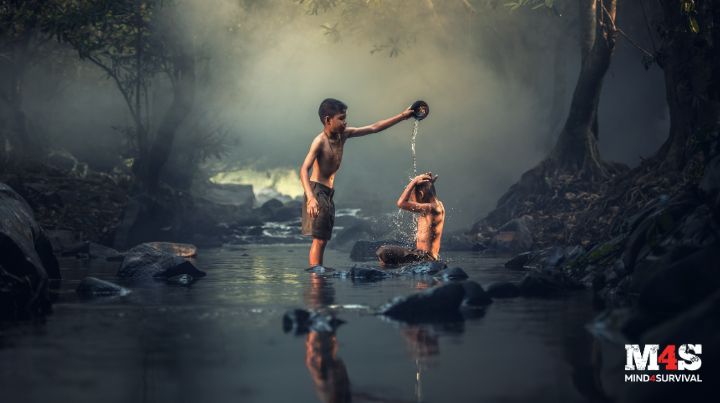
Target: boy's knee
{"x":320,"y":242}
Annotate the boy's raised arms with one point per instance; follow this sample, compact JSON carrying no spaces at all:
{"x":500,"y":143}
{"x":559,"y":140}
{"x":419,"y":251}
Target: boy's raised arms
{"x":379,"y":125}
{"x":404,"y":200}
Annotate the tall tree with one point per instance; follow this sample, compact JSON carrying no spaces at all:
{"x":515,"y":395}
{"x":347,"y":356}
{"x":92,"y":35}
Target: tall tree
{"x":576,"y":147}
{"x":690,"y":58}
{"x":21,"y":39}
{"x":136,"y":43}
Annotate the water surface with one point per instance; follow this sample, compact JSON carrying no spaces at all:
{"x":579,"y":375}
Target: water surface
{"x":221,"y":340}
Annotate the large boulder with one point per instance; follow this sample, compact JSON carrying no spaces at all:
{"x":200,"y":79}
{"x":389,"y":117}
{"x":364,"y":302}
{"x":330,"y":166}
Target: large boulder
{"x":26,"y":259}
{"x":441,"y":303}
{"x":159,"y":260}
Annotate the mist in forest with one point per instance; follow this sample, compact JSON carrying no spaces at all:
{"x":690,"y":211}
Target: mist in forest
{"x":487,"y":74}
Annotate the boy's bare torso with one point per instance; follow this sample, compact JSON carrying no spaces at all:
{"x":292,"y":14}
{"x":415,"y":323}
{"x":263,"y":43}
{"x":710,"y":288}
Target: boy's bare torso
{"x":429,"y":230}
{"x":329,"y":157}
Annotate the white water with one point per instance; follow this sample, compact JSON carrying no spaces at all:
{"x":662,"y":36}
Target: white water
{"x":412,"y":147}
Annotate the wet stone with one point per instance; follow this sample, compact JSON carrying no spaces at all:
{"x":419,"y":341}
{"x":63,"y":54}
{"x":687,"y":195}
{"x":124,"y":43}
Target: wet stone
{"x":423,"y":268}
{"x":367,"y":273}
{"x":518,"y":261}
{"x":146,"y":260}
{"x":436,"y":304}
{"x":475,"y":295}
{"x":181,"y":280}
{"x":301,"y":321}
{"x":365,"y":250}
{"x":455,"y":273}
{"x":319,"y":270}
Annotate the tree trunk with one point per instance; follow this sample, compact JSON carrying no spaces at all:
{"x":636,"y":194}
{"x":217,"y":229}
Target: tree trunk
{"x":559,"y":93}
{"x":150,"y":167}
{"x":576,"y":149}
{"x":17,"y":136}
{"x":691,"y":63}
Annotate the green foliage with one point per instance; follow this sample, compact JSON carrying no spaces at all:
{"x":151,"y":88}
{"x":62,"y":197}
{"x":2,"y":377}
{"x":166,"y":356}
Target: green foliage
{"x":130,"y":41}
{"x":22,"y":17}
{"x":533,"y":4}
{"x":688,"y":8}
{"x":314,"y":7}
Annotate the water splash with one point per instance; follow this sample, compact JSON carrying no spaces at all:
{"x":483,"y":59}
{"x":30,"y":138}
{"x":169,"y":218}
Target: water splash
{"x":405,"y":223}
{"x":412,"y":147}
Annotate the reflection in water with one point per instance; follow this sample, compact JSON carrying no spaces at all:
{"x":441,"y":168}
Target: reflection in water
{"x":327,"y":370}
{"x":320,"y":293}
{"x":423,"y":343}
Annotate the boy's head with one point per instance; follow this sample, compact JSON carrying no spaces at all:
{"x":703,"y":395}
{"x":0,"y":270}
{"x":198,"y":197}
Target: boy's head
{"x":332,"y":114}
{"x":425,"y":191}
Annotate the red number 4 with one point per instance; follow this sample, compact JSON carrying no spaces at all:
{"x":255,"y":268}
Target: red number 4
{"x":667,"y":357}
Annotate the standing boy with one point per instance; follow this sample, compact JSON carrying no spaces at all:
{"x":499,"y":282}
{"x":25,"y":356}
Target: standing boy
{"x":324,"y":157}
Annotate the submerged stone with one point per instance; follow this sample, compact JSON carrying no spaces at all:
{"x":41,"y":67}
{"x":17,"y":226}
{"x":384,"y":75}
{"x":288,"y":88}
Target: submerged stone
{"x":436,"y":304}
{"x":367,"y":273}
{"x":300,"y":321}
{"x":182,"y":280}
{"x":455,"y":273}
{"x":319,"y":269}
{"x":423,"y":268}
{"x":151,"y":260}
{"x":475,"y":295}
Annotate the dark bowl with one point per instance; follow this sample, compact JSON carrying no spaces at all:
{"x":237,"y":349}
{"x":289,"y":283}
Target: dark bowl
{"x":420,"y":109}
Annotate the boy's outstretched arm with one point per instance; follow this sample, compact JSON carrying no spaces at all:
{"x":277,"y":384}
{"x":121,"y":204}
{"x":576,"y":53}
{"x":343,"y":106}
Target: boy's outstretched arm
{"x":312,"y":205}
{"x":379,"y":125}
{"x":404,"y":202}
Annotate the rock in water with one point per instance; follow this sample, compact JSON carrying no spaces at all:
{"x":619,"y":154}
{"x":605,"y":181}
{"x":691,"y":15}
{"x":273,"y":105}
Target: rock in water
{"x":367,"y":273}
{"x":300,"y":321}
{"x":455,"y":273}
{"x":475,"y":295}
{"x":518,"y":261}
{"x":181,"y":280}
{"x":423,"y":268}
{"x":365,"y":250}
{"x":296,"y":320}
{"x":319,"y":270}
{"x":436,"y":304}
{"x":149,"y":260}
{"x":26,"y":259}
{"x":94,"y":287}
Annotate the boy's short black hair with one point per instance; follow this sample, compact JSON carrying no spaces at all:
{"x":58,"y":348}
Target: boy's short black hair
{"x":425,"y":191}
{"x":330,"y":107}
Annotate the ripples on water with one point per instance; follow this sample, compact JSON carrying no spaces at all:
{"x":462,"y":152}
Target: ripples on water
{"x":221,"y":340}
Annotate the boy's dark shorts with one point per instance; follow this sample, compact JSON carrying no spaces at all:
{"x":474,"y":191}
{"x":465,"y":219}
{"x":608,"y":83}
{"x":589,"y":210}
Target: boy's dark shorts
{"x":394,"y":255}
{"x":321,"y":226}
